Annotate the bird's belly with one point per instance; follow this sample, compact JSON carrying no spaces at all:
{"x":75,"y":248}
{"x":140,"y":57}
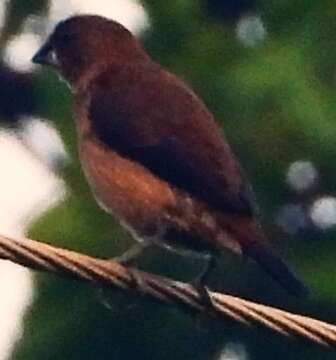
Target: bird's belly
{"x":125,"y":189}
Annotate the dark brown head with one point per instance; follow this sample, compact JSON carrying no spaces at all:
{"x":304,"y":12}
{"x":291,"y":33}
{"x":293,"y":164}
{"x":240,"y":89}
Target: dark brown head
{"x":80,"y":42}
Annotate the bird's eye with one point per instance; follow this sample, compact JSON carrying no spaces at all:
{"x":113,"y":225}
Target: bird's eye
{"x":65,"y":39}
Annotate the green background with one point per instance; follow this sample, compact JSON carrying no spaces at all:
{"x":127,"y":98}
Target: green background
{"x":276,"y":104}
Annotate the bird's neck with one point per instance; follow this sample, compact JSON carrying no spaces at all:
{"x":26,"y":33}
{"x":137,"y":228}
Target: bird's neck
{"x":80,"y":83}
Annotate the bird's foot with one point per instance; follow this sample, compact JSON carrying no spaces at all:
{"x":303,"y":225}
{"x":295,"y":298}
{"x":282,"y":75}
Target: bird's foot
{"x":200,"y":281}
{"x":114,"y":301}
{"x":205,"y":295}
{"x":128,"y":258}
{"x":202,"y":320}
{"x":137,"y":280}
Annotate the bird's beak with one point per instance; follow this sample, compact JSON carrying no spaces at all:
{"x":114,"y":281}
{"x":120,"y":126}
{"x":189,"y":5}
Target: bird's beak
{"x":46,"y":55}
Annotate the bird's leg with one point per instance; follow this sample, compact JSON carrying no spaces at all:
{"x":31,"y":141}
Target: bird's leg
{"x":127,"y":258}
{"x":199,"y":278}
{"x":199,"y":283}
{"x":202,"y":279}
{"x":131,"y":255}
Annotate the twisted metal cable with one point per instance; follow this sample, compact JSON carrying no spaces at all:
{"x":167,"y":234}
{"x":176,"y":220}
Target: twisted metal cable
{"x":40,"y":256}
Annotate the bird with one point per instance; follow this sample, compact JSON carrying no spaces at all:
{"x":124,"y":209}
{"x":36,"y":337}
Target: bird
{"x":152,"y":153}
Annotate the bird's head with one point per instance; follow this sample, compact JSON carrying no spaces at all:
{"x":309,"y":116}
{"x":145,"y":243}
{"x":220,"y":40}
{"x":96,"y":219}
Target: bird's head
{"x":80,"y":43}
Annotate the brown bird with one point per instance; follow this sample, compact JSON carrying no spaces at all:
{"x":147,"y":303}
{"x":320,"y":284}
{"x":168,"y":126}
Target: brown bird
{"x":151,"y":151}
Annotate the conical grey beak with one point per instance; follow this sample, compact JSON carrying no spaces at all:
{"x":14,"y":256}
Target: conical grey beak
{"x":46,"y":56}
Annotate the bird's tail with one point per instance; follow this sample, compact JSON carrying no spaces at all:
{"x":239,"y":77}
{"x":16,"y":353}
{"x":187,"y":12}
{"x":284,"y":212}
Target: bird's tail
{"x":254,"y":244}
{"x":276,"y":268}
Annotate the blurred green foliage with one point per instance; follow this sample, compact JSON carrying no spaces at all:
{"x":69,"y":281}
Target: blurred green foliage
{"x":276,"y":104}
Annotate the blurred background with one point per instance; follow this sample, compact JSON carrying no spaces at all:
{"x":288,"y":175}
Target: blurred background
{"x":267,"y":70}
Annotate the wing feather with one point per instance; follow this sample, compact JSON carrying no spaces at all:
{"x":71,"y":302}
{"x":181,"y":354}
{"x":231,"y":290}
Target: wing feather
{"x":160,"y":123}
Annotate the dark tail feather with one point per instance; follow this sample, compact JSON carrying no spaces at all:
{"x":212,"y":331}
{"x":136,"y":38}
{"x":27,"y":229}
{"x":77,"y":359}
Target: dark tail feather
{"x":248,"y":234}
{"x":275,"y":267}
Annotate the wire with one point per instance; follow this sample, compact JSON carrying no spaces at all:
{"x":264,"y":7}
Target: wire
{"x":40,"y":256}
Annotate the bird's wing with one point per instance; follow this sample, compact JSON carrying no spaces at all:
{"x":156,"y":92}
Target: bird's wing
{"x":157,"y":121}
